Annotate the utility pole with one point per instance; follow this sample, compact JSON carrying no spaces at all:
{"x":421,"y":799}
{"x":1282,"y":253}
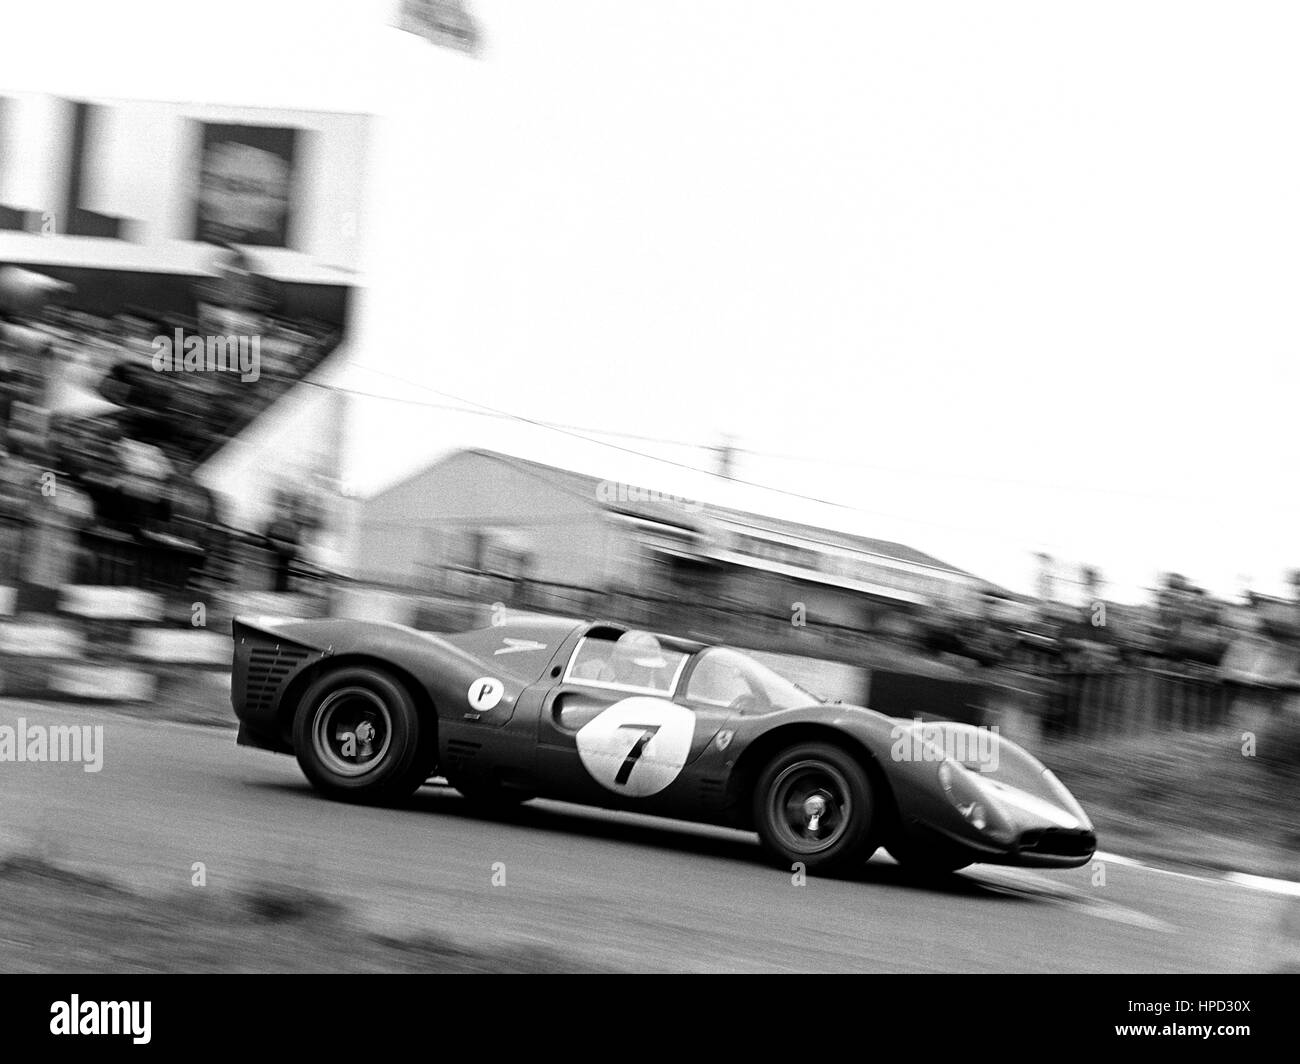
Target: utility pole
{"x":726,"y":456}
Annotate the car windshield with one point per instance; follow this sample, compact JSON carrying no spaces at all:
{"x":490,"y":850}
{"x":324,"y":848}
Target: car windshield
{"x":728,"y":678}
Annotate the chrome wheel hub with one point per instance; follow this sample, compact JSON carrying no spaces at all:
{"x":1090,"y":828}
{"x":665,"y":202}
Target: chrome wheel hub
{"x":809,"y":806}
{"x":352,"y":731}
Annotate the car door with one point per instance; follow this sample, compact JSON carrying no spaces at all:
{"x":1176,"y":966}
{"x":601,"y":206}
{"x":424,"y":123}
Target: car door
{"x":605,"y":741}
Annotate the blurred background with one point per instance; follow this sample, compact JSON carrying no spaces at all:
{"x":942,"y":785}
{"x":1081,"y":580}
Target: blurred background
{"x":907,"y":372}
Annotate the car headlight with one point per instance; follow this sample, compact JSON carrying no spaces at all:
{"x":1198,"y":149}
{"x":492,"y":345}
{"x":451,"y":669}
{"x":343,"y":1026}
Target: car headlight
{"x":969,"y":798}
{"x":959,"y":788}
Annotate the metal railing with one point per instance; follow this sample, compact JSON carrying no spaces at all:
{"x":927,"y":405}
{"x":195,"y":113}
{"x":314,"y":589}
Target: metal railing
{"x":1068,"y":698}
{"x":1146,"y":693}
{"x":1149,"y":695}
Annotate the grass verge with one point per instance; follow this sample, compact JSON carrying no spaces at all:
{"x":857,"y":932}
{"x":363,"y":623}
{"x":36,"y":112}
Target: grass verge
{"x":1193,"y":802}
{"x":59,"y":921}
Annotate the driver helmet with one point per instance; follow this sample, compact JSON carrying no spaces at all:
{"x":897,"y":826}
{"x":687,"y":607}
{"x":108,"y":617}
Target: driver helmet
{"x":643,"y":649}
{"x":636,"y":656}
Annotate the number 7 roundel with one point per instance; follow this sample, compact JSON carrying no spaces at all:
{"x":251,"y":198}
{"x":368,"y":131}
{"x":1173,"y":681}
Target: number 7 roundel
{"x":637,"y":746}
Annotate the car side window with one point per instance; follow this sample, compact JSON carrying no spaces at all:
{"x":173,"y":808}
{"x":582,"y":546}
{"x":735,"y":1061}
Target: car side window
{"x":625,"y":665}
{"x":591,"y":661}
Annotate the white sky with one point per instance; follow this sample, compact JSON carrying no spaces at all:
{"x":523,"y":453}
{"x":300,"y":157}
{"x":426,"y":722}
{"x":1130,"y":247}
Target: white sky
{"x":1028,"y":269}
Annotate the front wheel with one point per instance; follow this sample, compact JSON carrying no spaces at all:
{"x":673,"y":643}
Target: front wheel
{"x":358,"y":737}
{"x":813,"y":805}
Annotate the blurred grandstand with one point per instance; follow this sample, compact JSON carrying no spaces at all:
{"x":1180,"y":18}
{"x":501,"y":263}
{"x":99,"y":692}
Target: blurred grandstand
{"x":154,"y":304}
{"x":117,"y":443}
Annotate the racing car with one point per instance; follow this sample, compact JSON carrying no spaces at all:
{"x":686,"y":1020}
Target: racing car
{"x":601,"y":714}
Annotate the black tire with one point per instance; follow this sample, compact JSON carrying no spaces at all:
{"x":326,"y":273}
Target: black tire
{"x":789,"y":824}
{"x":926,"y":861}
{"x":387,"y":762}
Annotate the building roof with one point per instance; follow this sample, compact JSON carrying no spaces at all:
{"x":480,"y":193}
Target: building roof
{"x":884,"y":548}
{"x":585,"y":485}
{"x":564,"y":479}
{"x":561,"y":479}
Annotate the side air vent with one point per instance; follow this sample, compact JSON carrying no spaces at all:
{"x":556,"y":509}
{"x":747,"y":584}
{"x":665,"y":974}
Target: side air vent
{"x":712,"y":789}
{"x":461,"y":752}
{"x":268,"y":668}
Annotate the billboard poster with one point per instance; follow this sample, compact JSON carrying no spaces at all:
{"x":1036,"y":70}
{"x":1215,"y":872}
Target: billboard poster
{"x":245,"y":186}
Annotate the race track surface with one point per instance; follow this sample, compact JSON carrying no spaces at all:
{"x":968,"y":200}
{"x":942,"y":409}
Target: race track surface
{"x":608,"y":889}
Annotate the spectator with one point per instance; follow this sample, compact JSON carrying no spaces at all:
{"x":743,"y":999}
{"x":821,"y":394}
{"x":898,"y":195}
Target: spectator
{"x":55,"y":523}
{"x":18,"y":486}
{"x":145,"y":472}
{"x":283,"y":535}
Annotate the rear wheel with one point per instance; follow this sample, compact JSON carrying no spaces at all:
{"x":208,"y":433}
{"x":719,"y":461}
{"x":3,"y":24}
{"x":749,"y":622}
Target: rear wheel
{"x":813,"y":805}
{"x":358,"y":736}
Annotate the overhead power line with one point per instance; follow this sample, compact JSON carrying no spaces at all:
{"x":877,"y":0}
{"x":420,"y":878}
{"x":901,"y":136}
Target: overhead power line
{"x":712,"y":448}
{"x":474,"y":407}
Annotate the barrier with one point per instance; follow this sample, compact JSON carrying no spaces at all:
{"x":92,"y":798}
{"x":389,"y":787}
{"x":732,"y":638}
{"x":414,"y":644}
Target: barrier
{"x":1145,"y":697}
{"x":130,"y":643}
{"x":115,"y":644}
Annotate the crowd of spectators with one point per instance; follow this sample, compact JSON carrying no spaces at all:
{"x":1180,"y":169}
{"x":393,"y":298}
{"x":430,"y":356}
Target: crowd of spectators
{"x":97,"y":447}
{"x":1182,"y":628}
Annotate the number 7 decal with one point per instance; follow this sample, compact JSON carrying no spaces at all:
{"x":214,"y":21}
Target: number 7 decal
{"x":648,"y":732}
{"x":614,"y":746}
